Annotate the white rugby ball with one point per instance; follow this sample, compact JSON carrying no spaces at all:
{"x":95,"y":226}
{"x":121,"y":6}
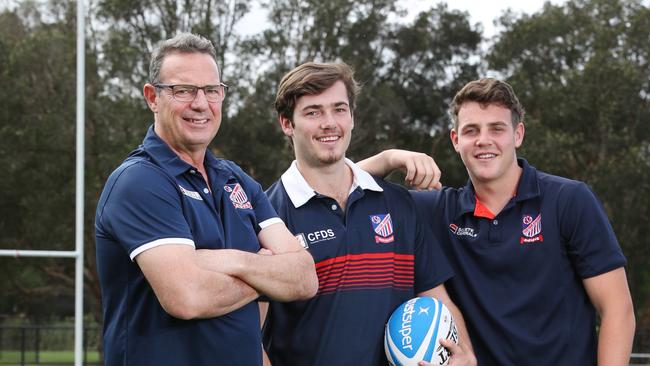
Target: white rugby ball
{"x":414,"y":331}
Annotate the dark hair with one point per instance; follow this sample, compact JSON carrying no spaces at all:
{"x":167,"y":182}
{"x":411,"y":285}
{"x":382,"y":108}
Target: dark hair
{"x":313,"y":78}
{"x":181,"y":43}
{"x":487,"y":91}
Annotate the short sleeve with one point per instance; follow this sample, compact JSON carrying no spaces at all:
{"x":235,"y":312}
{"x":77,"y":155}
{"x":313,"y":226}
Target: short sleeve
{"x":431,"y":265}
{"x":265,"y":214}
{"x":589,"y":236}
{"x":141,"y":209}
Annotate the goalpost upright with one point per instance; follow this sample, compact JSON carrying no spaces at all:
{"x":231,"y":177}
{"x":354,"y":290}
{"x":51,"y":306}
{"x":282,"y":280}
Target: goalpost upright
{"x":78,"y":253}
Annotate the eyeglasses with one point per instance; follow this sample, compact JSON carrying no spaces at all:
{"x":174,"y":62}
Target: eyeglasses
{"x":187,"y":93}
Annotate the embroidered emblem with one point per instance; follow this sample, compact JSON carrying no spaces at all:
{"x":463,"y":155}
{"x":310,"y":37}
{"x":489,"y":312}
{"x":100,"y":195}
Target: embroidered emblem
{"x":191,"y":194}
{"x":237,"y":196}
{"x":383,"y":227}
{"x":462,"y":231}
{"x":532,"y":229}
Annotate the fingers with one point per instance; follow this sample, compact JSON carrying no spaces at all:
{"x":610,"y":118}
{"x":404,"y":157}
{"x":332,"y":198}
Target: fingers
{"x":451,"y":346}
{"x":422,"y":172}
{"x":458,"y":357}
{"x":411,"y":171}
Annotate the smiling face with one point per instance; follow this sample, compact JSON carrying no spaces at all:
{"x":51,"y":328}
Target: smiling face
{"x":187,"y":127}
{"x":487,"y":141}
{"x":322,"y":126}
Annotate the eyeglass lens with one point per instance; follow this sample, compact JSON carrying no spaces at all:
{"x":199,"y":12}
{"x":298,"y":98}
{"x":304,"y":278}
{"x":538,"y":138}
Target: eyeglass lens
{"x":186,"y":93}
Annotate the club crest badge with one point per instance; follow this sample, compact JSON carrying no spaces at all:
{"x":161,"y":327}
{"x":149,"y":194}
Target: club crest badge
{"x":532,"y":229}
{"x":383,"y":227}
{"x":237,"y":196}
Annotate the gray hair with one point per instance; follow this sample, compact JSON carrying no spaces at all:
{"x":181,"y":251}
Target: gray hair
{"x":181,"y":43}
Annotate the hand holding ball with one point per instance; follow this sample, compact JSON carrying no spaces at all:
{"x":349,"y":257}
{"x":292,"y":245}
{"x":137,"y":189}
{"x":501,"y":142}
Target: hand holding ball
{"x":414,"y":331}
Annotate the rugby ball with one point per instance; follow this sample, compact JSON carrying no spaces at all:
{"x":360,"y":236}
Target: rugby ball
{"x":414,"y":331}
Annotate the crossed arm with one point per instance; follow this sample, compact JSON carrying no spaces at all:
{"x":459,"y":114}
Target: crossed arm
{"x":206,"y":283}
{"x":284,"y":271}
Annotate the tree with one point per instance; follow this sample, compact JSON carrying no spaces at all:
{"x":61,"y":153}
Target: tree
{"x":433,"y":59}
{"x":137,"y":26}
{"x":407,"y":71}
{"x":581,"y":70}
{"x":38,"y":71}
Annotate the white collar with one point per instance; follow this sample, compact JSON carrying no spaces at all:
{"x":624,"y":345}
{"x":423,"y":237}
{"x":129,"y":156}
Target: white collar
{"x":300,"y":191}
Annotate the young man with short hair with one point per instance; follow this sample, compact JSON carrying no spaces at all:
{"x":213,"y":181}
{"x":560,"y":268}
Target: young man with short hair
{"x":534,"y":255}
{"x":371,"y":251}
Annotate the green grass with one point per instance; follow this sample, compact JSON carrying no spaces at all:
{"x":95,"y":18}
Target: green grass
{"x":61,"y":358}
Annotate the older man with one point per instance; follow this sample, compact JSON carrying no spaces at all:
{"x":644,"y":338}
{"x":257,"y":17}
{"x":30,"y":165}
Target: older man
{"x":179,"y":232}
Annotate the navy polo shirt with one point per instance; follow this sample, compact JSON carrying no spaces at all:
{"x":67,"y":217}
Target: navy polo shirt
{"x":370,"y":258}
{"x":518,"y":276}
{"x":155,"y":198}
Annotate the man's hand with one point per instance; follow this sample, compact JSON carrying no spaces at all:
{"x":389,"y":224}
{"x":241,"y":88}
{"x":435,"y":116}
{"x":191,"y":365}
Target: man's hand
{"x":420,"y":169}
{"x":459,"y":356}
{"x":461,"y":353}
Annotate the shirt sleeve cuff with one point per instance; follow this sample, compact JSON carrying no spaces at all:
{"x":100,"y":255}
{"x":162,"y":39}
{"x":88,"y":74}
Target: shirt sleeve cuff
{"x":272,"y":221}
{"x":159,"y":242}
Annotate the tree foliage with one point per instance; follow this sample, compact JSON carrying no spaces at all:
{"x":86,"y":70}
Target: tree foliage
{"x":37,"y":154}
{"x":407,"y":70}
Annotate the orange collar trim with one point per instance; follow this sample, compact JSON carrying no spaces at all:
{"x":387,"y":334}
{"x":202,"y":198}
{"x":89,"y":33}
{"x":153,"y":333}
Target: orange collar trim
{"x":481,"y":210}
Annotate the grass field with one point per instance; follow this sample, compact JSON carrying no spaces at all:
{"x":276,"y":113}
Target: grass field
{"x":59,"y":358}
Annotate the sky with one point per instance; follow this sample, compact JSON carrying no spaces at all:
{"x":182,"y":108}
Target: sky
{"x":483,"y":12}
{"x":480,"y":11}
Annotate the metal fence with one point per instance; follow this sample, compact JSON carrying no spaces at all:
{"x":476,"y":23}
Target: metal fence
{"x":47,"y":345}
{"x":640,"y":359}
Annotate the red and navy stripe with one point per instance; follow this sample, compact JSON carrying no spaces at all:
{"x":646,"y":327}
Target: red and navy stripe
{"x":365,"y":271}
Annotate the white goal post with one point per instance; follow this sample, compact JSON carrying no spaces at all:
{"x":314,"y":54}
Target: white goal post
{"x":78,"y":253}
